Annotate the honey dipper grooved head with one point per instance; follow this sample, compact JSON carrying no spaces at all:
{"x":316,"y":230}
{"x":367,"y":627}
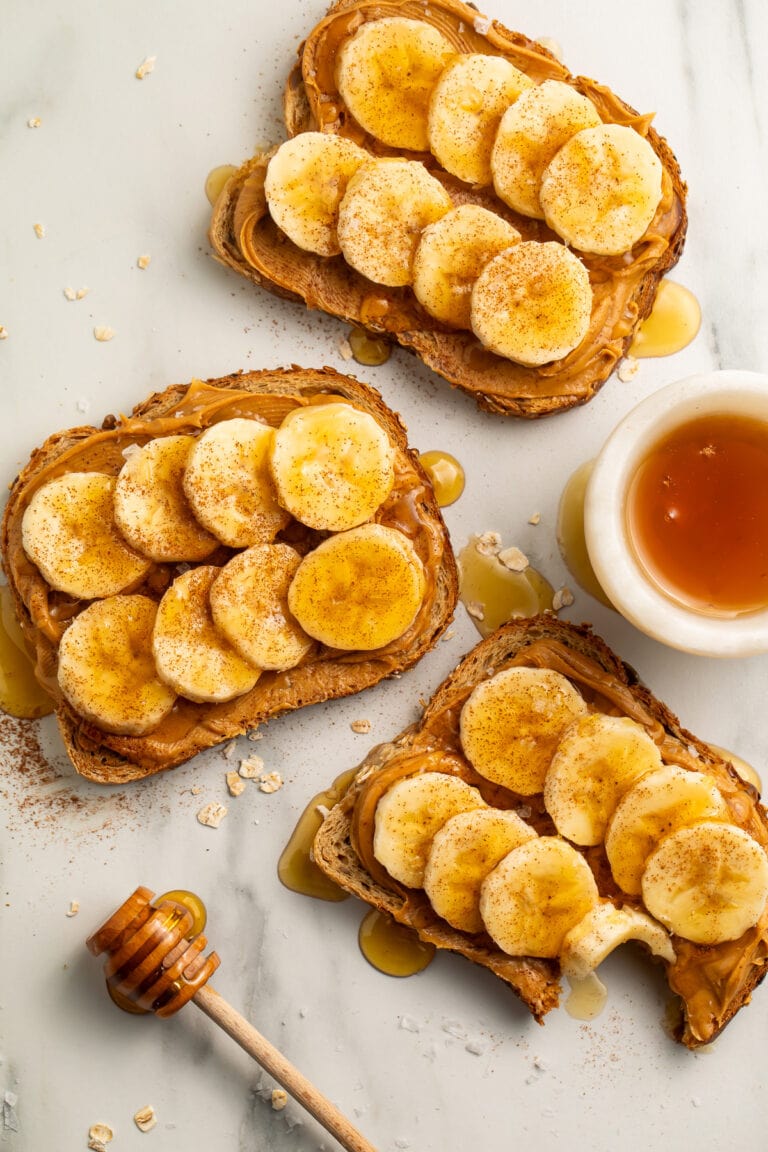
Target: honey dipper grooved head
{"x":154,"y":961}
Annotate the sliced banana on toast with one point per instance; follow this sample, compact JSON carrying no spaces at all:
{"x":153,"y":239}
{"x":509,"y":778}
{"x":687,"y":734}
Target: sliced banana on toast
{"x":633,"y":830}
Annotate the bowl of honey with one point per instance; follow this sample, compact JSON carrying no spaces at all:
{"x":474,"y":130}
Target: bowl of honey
{"x":676,"y":515}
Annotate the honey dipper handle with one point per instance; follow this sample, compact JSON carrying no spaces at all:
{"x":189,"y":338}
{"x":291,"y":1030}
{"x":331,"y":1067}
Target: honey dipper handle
{"x":281,"y":1069}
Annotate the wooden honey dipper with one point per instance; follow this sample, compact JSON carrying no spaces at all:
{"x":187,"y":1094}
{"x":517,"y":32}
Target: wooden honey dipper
{"x":155,"y":964}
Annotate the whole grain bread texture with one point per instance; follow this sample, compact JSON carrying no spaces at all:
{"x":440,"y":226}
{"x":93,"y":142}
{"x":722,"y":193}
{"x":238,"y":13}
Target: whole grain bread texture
{"x":244,"y":237}
{"x":325,"y":673}
{"x":710,"y":983}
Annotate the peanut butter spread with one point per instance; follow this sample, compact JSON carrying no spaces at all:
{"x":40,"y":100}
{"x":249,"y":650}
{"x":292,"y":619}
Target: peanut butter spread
{"x":190,"y":727}
{"x":712,"y":981}
{"x":623,"y":286}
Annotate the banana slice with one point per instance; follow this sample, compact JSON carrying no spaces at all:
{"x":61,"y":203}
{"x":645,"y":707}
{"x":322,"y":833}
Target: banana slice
{"x":464,"y":850}
{"x":535,"y":896}
{"x":228,"y":483}
{"x":249,"y":603}
{"x":410,"y":813}
{"x":190,"y":653}
{"x":450,"y":256}
{"x":333,"y":465}
{"x":305,"y":181}
{"x":531,"y":131}
{"x":604,"y":928}
{"x":387,"y":204}
{"x":657,"y":805}
{"x":68,"y":531}
{"x":532,"y":303}
{"x":385,"y":74}
{"x":708,"y":882}
{"x":151,"y":509}
{"x":598,"y":758}
{"x":471,"y":95}
{"x":358,"y":590}
{"x":510,"y":725}
{"x":106,"y":669}
{"x":601,"y":190}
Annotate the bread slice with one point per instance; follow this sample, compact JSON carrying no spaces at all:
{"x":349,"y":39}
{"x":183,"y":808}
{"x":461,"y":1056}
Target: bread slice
{"x":712,"y":982}
{"x":244,"y":237}
{"x":324,"y":674}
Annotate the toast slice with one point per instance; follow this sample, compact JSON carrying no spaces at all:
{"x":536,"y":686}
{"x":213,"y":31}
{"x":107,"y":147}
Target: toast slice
{"x":712,"y":982}
{"x":323,"y":673}
{"x":245,"y":238}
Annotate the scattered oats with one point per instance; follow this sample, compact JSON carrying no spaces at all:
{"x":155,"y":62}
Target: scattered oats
{"x":130,"y":450}
{"x":476,"y":610}
{"x":252,"y":768}
{"x":230,"y":749}
{"x":34,"y":122}
{"x":70,"y":294}
{"x":102,"y":1133}
{"x":97,"y":1146}
{"x":514,"y":559}
{"x":81,"y":293}
{"x":270,"y":782}
{"x":103,"y":333}
{"x":361,"y":726}
{"x":235,"y":784}
{"x":563,"y":598}
{"x":449,"y":635}
{"x":488,"y":543}
{"x":408,"y":1024}
{"x":196,"y":790}
{"x":143,"y":262}
{"x":74,"y":908}
{"x":535,"y":518}
{"x":3,"y":332}
{"x":540,"y":1063}
{"x":39,"y":230}
{"x":255,"y":735}
{"x":212,"y":814}
{"x":146,"y":66}
{"x":475,"y":1048}
{"x":345,"y":349}
{"x":628,"y":369}
{"x":145,"y":1118}
{"x":279,"y":1099}
{"x":482,"y":25}
{"x":552,"y":45}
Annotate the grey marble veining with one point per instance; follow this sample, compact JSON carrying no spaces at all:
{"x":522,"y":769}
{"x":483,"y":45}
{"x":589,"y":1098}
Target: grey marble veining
{"x":448,"y":1059}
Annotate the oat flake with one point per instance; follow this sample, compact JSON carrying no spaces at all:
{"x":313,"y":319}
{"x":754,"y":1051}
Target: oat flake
{"x":146,"y":66}
{"x":143,"y":262}
{"x":145,"y":1118}
{"x":103,"y":333}
{"x":514,"y":559}
{"x":363,"y":727}
{"x":279,"y":1099}
{"x":270,"y":782}
{"x":252,"y":768}
{"x":235,"y":784}
{"x":212,"y":814}
{"x":39,"y":230}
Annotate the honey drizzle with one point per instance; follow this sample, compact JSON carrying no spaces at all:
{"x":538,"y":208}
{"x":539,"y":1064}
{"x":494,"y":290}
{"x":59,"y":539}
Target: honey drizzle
{"x":216,"y":179}
{"x":368,"y":350}
{"x":446,"y":476}
{"x":570,"y":533}
{"x":392,"y":948}
{"x":493,"y":593}
{"x":296,"y":868}
{"x":20,"y":693}
{"x":587,"y":997}
{"x":673,"y":323}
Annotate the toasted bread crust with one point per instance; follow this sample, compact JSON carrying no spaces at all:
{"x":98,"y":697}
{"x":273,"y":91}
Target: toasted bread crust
{"x":111,"y":759}
{"x":244,"y":237}
{"x":699,"y":972}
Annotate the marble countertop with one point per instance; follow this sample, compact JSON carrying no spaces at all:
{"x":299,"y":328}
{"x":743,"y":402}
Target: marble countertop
{"x":447,"y":1059}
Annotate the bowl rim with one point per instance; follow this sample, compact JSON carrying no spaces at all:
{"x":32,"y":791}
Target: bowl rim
{"x":619,"y":573}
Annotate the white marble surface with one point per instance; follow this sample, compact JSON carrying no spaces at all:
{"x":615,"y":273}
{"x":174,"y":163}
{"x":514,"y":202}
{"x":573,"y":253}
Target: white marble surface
{"x":446,"y":1060}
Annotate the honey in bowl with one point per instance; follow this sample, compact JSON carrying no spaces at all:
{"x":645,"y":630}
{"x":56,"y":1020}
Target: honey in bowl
{"x":697,"y":514}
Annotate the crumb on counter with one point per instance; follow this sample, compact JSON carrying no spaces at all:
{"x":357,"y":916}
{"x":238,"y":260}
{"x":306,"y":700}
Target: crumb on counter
{"x":628,"y":369}
{"x":270,"y":782}
{"x":235,"y":784}
{"x":39,"y":230}
{"x":145,"y":1118}
{"x":3,"y":332}
{"x":362,"y":727}
{"x":34,"y":122}
{"x":488,"y":543}
{"x":99,"y":1135}
{"x":103,"y":333}
{"x":345,"y":349}
{"x":74,"y":908}
{"x":212,"y":814}
{"x":279,"y":1099}
{"x":147,"y":65}
{"x":563,"y":598}
{"x":143,"y":261}
{"x":251,"y":768}
{"x":75,"y":293}
{"x":534,"y":518}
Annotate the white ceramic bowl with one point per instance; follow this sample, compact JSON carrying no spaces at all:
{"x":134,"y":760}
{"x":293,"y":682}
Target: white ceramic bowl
{"x":619,"y":573}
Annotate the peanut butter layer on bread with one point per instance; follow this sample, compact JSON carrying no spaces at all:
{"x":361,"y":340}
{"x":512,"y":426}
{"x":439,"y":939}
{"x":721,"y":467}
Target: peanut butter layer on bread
{"x":324,"y":673}
{"x":712,"y":981}
{"x":245,"y":238}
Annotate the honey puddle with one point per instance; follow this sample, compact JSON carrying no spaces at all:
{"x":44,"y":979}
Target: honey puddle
{"x":587,"y":997}
{"x":216,"y":179}
{"x":369,"y":350}
{"x":570,"y":533}
{"x":446,"y":476}
{"x":674,"y":321}
{"x":492,"y":592}
{"x":296,"y":868}
{"x":20,"y":693}
{"x":392,"y":948}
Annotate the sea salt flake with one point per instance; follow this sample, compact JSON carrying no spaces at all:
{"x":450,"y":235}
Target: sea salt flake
{"x":475,"y":1047}
{"x":212,"y":814}
{"x":147,"y":65}
{"x":252,"y":768}
{"x":408,"y":1024}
